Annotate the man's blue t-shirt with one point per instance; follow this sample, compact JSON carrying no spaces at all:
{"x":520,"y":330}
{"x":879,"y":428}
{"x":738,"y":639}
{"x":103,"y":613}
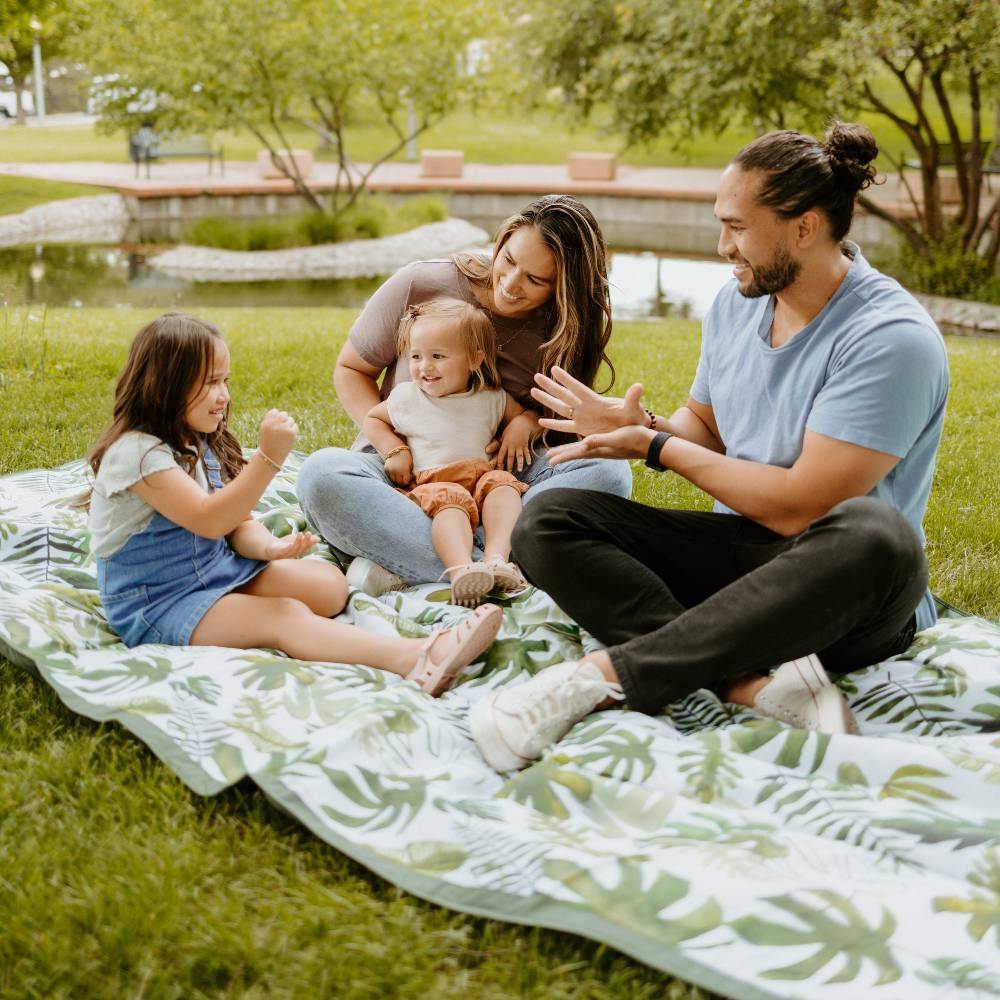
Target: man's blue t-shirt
{"x":870,"y":369}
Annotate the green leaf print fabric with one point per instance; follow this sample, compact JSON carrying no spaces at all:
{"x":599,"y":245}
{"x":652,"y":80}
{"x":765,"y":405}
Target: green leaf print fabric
{"x":753,"y":859}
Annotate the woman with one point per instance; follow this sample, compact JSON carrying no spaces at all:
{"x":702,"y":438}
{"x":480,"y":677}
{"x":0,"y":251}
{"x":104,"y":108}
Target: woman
{"x":546,"y":293}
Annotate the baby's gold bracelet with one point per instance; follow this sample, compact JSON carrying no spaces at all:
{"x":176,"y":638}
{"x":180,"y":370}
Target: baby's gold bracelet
{"x":394,"y":451}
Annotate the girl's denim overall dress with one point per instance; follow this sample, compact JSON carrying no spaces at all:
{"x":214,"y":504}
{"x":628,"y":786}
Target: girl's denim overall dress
{"x":160,"y":583}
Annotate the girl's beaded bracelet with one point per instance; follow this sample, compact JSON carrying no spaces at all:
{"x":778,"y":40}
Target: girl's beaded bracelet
{"x":270,"y":461}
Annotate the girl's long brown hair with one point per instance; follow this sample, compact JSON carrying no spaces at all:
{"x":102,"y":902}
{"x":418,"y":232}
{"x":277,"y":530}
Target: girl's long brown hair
{"x":578,"y":317}
{"x":169,"y":360}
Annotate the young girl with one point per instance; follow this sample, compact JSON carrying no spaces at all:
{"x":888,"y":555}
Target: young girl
{"x":181,"y":561}
{"x":432,"y":434}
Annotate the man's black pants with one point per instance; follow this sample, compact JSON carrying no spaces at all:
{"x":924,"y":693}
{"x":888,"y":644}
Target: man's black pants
{"x":689,"y":599}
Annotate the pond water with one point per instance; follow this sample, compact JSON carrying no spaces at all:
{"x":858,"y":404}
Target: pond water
{"x":642,"y":284}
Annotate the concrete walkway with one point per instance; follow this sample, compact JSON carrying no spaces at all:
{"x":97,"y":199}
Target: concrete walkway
{"x":191,"y":177}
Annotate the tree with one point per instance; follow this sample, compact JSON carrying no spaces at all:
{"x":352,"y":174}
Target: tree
{"x":17,"y":38}
{"x":267,"y":64}
{"x":690,"y":65}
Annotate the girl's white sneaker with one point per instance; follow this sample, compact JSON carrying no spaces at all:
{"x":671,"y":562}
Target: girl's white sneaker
{"x":513,"y":726}
{"x":371,"y":578}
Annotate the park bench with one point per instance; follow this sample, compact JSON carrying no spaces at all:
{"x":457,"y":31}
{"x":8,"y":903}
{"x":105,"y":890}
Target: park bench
{"x":946,"y":158}
{"x":145,"y":146}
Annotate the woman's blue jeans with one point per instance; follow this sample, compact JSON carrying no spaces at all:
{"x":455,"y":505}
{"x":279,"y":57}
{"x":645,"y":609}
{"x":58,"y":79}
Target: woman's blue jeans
{"x":349,"y":500}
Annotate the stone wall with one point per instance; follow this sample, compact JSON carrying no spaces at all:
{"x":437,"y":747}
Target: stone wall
{"x":674,"y":225}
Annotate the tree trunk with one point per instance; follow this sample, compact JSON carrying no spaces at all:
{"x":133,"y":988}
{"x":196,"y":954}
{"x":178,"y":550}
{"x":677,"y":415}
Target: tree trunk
{"x":19,"y":89}
{"x":995,"y":156}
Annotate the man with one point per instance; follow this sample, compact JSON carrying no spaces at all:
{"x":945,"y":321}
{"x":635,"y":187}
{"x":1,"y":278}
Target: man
{"x":813,"y":421}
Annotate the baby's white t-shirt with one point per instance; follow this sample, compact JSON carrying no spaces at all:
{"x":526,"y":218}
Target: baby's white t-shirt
{"x":116,"y":513}
{"x":444,"y":429}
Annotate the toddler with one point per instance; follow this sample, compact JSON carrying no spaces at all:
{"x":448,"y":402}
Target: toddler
{"x":432,"y":433}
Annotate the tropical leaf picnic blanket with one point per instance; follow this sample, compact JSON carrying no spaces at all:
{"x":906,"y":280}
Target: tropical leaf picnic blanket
{"x":750,"y":858}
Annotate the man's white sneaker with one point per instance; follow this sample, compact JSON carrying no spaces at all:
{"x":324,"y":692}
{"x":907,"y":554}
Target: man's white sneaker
{"x":513,"y":726}
{"x":801,"y":694}
{"x":372,"y":579}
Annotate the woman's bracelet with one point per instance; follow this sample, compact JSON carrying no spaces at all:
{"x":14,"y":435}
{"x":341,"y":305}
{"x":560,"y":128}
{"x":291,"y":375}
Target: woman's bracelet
{"x":652,"y":418}
{"x":394,"y":451}
{"x":270,"y":461}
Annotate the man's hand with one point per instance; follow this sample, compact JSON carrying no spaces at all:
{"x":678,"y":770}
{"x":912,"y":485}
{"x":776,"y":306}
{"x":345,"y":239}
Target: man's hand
{"x":625,"y":442}
{"x":583,"y":411}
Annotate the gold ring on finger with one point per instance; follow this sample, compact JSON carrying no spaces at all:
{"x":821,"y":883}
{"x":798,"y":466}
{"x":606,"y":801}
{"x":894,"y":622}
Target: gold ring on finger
{"x":569,"y":416}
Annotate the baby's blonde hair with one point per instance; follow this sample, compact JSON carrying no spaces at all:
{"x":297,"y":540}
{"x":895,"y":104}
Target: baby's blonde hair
{"x":474,"y":328}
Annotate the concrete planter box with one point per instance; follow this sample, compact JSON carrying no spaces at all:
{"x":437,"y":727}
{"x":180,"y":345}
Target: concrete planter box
{"x":302,"y":159}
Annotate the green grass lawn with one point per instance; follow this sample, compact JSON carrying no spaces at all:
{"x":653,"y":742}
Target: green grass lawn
{"x":19,"y":193}
{"x":485,"y":136}
{"x":116,"y":881}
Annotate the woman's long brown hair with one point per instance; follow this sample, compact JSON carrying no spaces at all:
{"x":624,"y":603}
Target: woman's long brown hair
{"x":578,"y":317}
{"x":169,"y":360}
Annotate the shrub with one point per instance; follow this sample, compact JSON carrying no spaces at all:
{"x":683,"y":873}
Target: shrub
{"x":367,"y":218}
{"x":318,"y":227}
{"x":216,"y":231}
{"x":420,"y":211}
{"x":948,"y":271}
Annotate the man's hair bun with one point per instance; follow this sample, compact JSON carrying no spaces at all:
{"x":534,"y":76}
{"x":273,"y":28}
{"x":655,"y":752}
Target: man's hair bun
{"x":851,"y":149}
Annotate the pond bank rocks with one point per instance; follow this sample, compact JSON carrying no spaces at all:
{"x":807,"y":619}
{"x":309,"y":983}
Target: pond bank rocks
{"x":961,"y":314}
{"x":101,"y":218}
{"x":351,"y":259}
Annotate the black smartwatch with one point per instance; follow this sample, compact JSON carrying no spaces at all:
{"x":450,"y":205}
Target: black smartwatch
{"x":655,"y":447}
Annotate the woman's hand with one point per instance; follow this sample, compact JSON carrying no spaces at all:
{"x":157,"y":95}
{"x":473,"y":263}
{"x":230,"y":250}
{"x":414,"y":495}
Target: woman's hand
{"x":291,"y":546}
{"x":624,"y":442}
{"x":515,"y":443}
{"x":399,"y":468}
{"x":583,"y":411}
{"x":278,"y":432}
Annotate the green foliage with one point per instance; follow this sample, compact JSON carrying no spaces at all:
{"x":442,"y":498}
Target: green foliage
{"x":948,"y":269}
{"x":652,"y":69}
{"x":649,"y":68}
{"x":369,"y":217}
{"x":264,"y":65}
{"x":18,"y":19}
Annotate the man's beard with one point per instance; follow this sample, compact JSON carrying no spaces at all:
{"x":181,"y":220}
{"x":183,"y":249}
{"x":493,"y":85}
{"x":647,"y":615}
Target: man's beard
{"x":773,"y":277}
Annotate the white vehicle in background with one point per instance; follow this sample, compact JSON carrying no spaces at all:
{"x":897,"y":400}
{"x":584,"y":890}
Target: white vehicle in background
{"x":8,"y":99}
{"x":8,"y":103}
